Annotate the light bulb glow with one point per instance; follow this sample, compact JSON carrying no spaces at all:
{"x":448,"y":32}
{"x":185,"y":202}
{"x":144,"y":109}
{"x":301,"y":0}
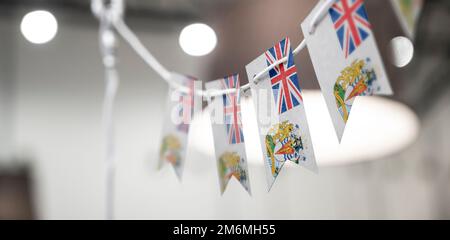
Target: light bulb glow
{"x":402,"y":51}
{"x":39,"y":26}
{"x":198,"y":39}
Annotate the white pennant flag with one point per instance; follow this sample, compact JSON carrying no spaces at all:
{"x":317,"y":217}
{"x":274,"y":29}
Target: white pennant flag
{"x":408,"y":13}
{"x":282,"y":123}
{"x":345,"y":57}
{"x":228,"y":133}
{"x":181,"y":107}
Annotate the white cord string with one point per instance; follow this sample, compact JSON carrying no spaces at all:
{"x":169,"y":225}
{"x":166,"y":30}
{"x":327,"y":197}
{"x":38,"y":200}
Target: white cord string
{"x":320,"y":14}
{"x":143,"y":52}
{"x":146,"y":55}
{"x":112,"y":83}
{"x":107,"y":42}
{"x":111,"y":9}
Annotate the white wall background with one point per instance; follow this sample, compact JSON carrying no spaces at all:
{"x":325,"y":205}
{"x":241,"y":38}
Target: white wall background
{"x":57,"y":96}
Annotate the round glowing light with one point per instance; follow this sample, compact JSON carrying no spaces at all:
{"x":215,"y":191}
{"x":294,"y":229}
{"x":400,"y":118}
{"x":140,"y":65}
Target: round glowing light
{"x":402,"y":51}
{"x":39,"y":27}
{"x":198,"y":39}
{"x":377,"y":128}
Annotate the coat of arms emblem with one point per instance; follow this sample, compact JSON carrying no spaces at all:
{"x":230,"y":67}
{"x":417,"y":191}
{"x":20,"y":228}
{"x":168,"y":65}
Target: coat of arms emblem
{"x":171,"y":150}
{"x":356,"y":80}
{"x":283,"y":143}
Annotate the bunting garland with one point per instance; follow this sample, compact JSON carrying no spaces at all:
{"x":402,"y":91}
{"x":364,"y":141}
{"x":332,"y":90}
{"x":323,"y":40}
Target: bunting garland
{"x":346,"y":60}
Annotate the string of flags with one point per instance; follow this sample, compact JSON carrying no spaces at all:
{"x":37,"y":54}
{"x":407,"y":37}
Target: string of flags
{"x":346,"y":60}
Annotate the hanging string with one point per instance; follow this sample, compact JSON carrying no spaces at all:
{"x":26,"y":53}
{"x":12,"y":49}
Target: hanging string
{"x":107,"y":42}
{"x":112,"y":83}
{"x":129,"y":36}
{"x":320,"y":14}
{"x":144,"y":53}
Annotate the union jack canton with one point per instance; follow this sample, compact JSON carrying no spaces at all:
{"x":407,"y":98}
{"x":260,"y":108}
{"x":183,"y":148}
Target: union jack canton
{"x":351,"y":24}
{"x":283,"y":77}
{"x":232,"y":110}
{"x":186,"y":101}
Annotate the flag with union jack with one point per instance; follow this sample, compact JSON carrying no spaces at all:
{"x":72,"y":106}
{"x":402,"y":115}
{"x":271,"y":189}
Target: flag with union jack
{"x":176,"y":126}
{"x":228,"y":132}
{"x":345,"y":57}
{"x":282,"y":124}
{"x":232,"y":110}
{"x":283,"y":77}
{"x":351,"y":23}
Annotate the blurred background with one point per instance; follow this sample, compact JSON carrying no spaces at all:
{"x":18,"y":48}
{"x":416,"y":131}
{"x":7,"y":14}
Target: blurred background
{"x":51,"y":135}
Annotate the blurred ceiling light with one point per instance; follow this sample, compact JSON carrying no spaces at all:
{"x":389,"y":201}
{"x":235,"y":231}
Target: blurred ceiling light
{"x":39,"y":27}
{"x":377,"y":128}
{"x":402,"y":51}
{"x":197,"y":39}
